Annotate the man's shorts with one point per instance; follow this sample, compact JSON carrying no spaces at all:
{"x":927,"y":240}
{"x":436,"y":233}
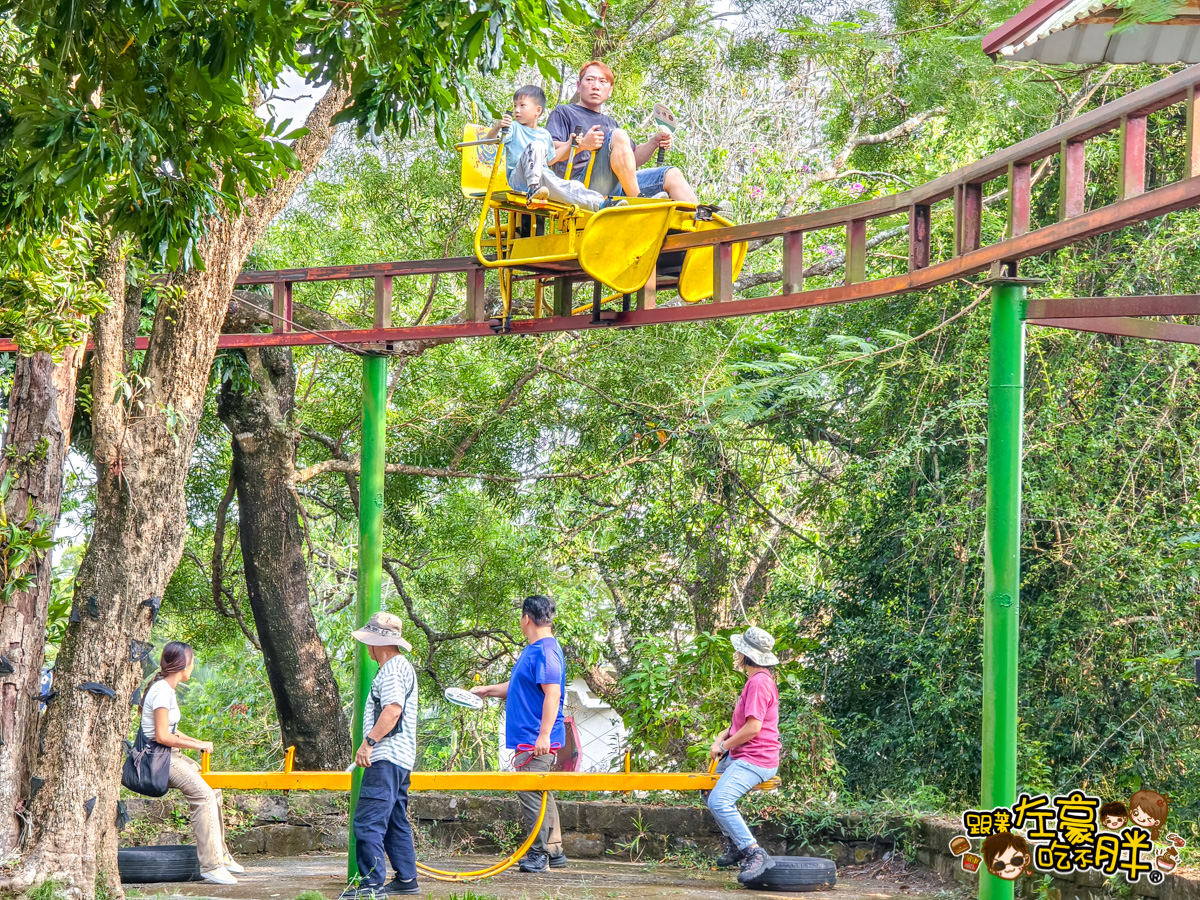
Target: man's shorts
{"x":650,"y":181}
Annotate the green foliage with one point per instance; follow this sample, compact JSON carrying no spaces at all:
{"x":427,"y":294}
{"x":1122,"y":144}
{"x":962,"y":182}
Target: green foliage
{"x":1144,"y":12}
{"x":144,"y":116}
{"x":21,"y":538}
{"x":47,"y":890}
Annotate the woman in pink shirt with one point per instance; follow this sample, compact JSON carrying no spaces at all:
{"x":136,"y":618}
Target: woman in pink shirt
{"x":748,"y":750}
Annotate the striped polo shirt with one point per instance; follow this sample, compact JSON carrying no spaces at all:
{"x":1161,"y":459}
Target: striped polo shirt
{"x":395,"y":682}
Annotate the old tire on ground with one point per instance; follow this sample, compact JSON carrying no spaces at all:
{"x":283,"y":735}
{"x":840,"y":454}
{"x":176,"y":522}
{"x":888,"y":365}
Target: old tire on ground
{"x":151,"y":865}
{"x":797,"y":873}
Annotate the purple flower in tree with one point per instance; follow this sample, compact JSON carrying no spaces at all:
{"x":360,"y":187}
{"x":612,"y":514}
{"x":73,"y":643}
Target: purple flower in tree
{"x":756,"y":191}
{"x":827,"y":250}
{"x":856,"y":188}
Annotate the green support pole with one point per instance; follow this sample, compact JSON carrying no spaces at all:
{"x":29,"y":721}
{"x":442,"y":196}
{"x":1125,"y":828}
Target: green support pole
{"x":370,"y":551}
{"x":1002,"y":558}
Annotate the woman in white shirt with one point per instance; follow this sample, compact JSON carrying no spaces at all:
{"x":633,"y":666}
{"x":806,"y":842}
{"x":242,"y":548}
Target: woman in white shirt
{"x":159,"y":720}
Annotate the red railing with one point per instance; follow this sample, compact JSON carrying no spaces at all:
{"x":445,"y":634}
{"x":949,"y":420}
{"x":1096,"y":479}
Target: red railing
{"x":1126,"y":116}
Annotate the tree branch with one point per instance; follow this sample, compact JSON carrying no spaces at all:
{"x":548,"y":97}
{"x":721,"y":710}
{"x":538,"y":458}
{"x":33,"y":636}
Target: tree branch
{"x":352,"y":466}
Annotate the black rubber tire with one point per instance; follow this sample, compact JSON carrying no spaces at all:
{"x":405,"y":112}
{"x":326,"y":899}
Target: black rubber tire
{"x":151,"y":865}
{"x":796,"y":874}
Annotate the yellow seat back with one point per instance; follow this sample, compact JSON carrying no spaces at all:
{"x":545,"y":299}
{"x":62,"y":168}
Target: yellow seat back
{"x":477,"y":163}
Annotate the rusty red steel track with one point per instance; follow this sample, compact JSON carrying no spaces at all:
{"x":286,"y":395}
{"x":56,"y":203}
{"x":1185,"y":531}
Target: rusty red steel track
{"x":964,"y":187}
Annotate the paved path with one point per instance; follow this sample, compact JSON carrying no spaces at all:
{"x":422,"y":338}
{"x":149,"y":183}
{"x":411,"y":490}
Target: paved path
{"x":288,"y":877}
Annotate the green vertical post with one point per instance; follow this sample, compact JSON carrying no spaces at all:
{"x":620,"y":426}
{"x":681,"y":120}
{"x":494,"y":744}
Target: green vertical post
{"x":370,"y":552}
{"x":1002,"y":558}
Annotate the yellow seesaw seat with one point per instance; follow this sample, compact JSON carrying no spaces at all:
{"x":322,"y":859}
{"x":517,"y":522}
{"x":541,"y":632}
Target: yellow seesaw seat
{"x":618,"y":247}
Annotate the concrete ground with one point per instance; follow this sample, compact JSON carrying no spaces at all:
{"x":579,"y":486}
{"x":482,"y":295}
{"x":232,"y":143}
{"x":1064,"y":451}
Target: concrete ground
{"x":287,"y":878}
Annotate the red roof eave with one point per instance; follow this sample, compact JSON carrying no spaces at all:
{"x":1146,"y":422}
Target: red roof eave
{"x":1021,"y":24}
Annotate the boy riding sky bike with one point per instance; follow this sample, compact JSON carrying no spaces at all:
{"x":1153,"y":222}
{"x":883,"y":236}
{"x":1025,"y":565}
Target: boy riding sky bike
{"x":530,"y":151}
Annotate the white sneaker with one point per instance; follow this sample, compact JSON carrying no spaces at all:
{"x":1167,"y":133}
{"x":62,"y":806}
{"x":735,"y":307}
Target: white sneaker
{"x":219,"y":875}
{"x":539,"y":197}
{"x":233,"y":866}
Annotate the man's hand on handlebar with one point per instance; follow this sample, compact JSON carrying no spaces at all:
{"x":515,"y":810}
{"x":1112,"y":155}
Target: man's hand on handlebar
{"x":592,"y":139}
{"x":663,"y":139}
{"x":205,"y":746}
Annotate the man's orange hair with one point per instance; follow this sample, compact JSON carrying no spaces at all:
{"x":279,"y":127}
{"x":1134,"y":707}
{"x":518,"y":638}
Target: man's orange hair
{"x":602,"y":67}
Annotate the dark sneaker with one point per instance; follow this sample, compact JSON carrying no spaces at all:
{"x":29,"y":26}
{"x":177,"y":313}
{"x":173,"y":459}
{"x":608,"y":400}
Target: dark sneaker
{"x":353,"y":892}
{"x":559,"y":861}
{"x":396,"y":886}
{"x":612,"y":203}
{"x":754,"y":862}
{"x":534,"y":862}
{"x":730,"y":856}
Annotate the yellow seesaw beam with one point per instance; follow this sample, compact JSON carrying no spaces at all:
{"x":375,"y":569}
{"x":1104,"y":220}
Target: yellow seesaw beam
{"x":477,"y":781}
{"x":289,"y":780}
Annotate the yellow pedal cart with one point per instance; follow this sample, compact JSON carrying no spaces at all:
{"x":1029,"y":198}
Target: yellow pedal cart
{"x":617,"y":247}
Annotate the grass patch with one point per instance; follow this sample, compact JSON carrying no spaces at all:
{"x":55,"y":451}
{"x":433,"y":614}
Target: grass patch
{"x":310,"y":895}
{"x":47,"y":890}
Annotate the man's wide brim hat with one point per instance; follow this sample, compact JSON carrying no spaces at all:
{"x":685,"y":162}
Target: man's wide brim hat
{"x":756,"y":645}
{"x":382,"y":630}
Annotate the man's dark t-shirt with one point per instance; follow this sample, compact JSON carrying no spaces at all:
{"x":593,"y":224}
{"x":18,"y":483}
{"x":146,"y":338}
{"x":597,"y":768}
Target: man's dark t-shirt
{"x":571,"y":115}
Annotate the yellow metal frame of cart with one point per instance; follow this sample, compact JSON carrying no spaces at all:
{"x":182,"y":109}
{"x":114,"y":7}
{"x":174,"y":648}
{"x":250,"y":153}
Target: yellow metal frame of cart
{"x":617,"y":247}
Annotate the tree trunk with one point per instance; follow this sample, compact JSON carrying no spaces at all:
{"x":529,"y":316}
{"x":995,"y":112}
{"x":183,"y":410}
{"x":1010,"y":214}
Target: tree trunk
{"x":141,"y":454}
{"x":264,"y":455}
{"x":39,"y":429}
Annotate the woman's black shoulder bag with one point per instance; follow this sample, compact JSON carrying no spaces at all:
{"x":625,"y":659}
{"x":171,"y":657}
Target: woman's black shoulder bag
{"x":147,"y":765}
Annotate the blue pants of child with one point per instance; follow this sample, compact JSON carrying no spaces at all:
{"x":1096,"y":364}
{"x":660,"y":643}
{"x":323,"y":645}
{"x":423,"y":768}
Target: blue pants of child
{"x":738,"y":778}
{"x":381,"y":825}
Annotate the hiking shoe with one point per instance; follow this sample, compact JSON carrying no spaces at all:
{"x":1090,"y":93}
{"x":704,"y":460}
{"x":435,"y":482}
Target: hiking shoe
{"x":558,"y":861}
{"x":730,"y":856}
{"x":612,"y":203}
{"x":399,"y":886}
{"x":661,"y":195}
{"x":219,"y":875}
{"x":534,"y":862}
{"x":754,"y":862}
{"x":355,"y":892}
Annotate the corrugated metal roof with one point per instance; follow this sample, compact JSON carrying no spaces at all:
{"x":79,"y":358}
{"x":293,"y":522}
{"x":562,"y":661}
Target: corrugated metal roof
{"x":1059,"y":32}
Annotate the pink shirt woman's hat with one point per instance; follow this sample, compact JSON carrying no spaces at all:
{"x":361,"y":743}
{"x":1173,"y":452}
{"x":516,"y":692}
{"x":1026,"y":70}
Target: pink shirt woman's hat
{"x":756,"y":645}
{"x":382,"y":630}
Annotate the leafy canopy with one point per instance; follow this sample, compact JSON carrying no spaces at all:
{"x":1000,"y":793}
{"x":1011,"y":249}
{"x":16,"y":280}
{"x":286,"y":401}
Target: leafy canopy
{"x":142,"y":113}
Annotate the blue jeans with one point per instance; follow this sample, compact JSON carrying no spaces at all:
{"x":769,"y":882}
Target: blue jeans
{"x":604,"y":180}
{"x":738,"y":778}
{"x":381,"y":824}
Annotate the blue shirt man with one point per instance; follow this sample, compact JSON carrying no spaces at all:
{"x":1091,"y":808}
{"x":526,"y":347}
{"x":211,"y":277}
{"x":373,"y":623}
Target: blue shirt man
{"x":540,"y":665}
{"x":534,"y":723}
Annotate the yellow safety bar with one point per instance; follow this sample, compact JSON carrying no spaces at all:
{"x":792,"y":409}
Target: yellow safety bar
{"x":627,"y":780}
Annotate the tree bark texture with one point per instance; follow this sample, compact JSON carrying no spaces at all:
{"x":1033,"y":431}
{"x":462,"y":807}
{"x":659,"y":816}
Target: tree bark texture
{"x":141,"y":451}
{"x":41,"y":405}
{"x":264,"y":455}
